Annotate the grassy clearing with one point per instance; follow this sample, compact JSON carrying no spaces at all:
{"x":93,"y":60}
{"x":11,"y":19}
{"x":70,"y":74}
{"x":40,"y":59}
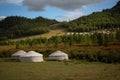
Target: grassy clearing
{"x":55,"y":32}
{"x":74,"y":70}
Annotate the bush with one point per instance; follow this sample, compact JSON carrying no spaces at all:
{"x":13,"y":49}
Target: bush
{"x":106,"y":56}
{"x":6,"y":54}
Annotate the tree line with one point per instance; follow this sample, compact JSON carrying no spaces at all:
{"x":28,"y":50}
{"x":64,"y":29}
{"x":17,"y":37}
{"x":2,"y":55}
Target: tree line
{"x":99,"y":39}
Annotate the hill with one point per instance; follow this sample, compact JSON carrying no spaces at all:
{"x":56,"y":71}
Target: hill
{"x":116,"y":8}
{"x":109,"y":18}
{"x":15,"y":27}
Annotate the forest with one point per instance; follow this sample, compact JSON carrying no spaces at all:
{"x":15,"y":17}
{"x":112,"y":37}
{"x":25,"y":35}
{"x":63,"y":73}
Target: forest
{"x":107,"y":19}
{"x":16,"y":26}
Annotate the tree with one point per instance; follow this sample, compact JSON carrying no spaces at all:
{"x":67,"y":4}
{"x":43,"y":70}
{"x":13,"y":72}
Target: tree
{"x":106,"y":40}
{"x":100,"y":37}
{"x":118,"y":35}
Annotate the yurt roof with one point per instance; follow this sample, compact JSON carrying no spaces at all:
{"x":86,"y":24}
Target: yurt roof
{"x":32,"y":54}
{"x":57,"y":53}
{"x":19,"y":53}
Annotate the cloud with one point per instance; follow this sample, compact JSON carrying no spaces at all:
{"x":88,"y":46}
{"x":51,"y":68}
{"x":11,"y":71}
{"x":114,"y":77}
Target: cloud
{"x":11,"y":1}
{"x":2,"y":17}
{"x":71,"y":15}
{"x":69,"y":5}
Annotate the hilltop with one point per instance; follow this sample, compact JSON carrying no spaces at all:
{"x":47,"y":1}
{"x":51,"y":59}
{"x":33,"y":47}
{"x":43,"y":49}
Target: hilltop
{"x":116,"y":8}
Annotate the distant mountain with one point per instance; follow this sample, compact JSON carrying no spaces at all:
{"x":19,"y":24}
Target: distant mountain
{"x":16,"y":26}
{"x":109,"y":18}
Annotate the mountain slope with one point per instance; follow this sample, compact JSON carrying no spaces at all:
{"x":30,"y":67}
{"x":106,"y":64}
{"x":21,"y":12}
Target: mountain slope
{"x":116,"y":8}
{"x":15,"y":27}
{"x":106,"y":19}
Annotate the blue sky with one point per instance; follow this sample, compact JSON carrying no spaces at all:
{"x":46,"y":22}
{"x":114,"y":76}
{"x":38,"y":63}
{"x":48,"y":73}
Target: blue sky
{"x":61,"y":10}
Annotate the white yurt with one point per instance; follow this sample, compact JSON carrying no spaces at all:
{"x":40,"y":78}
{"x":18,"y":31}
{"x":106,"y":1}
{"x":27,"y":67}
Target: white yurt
{"x":58,"y":55}
{"x":32,"y":56}
{"x":18,"y":54}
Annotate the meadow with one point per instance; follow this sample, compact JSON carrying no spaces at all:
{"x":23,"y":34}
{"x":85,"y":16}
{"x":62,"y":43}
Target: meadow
{"x":54,"y":70}
{"x":55,"y":32}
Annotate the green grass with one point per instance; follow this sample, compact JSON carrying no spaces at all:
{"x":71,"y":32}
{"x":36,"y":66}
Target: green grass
{"x":53,"y":70}
{"x":55,"y":32}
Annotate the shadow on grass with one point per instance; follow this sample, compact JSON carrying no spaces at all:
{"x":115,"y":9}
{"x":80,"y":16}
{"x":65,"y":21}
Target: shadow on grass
{"x":8,"y":60}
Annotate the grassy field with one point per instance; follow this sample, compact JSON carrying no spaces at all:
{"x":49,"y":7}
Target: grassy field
{"x":55,"y":32}
{"x":50,"y":70}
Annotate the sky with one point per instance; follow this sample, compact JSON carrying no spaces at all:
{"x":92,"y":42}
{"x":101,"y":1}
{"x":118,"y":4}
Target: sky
{"x":61,"y":10}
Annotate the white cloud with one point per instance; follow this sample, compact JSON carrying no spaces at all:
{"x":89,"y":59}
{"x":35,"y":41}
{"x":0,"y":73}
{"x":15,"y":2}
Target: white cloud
{"x":71,"y":15}
{"x":15,"y":1}
{"x":69,"y":5}
{"x":11,"y":1}
{"x":2,"y":17}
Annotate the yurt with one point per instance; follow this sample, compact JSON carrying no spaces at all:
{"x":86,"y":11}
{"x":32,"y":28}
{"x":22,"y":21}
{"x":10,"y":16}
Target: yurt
{"x":58,"y":55}
{"x":32,"y":56}
{"x":17,"y":55}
